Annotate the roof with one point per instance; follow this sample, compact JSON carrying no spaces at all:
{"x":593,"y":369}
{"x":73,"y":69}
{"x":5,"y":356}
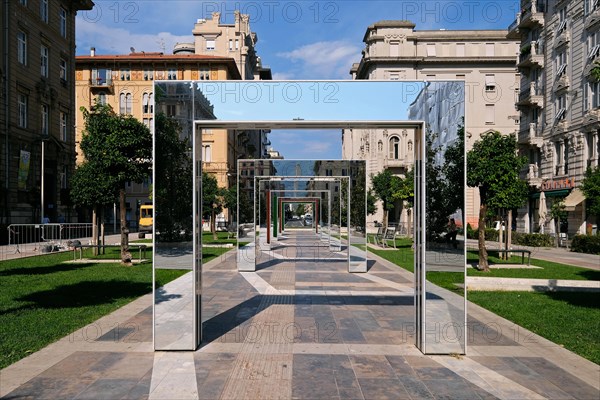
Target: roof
{"x":158,"y":57}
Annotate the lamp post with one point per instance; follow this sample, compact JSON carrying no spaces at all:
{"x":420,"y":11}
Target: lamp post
{"x":42,"y":179}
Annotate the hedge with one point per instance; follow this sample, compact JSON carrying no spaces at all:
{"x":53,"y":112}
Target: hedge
{"x":533,"y":239}
{"x":586,"y":244}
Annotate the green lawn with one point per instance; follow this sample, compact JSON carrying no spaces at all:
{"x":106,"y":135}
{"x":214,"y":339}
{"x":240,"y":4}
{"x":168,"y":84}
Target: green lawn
{"x":568,"y":319}
{"x":565,"y":318}
{"x":42,"y":299}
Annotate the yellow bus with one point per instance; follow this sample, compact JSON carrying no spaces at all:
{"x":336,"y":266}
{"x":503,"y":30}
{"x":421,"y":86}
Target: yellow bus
{"x":146,"y":218}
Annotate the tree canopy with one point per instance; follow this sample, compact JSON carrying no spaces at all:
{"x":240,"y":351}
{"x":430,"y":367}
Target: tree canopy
{"x":173,"y":169}
{"x":591,"y":189}
{"x":117,"y":150}
{"x":493,"y":166}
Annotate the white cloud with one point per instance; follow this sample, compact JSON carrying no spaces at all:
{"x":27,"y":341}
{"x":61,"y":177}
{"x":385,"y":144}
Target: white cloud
{"x":325,"y":59}
{"x":282,"y":76}
{"x":112,"y":40}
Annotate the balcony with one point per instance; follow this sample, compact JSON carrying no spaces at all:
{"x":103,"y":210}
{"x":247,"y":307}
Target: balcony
{"x":562,"y":38}
{"x":532,"y":135}
{"x":102,"y":84}
{"x":532,"y":96}
{"x":531,"y":174}
{"x":395,"y":163}
{"x":592,"y":19}
{"x":591,"y":119}
{"x":531,"y":56}
{"x":532,"y":14}
{"x":561,"y":83}
{"x":513,"y":29}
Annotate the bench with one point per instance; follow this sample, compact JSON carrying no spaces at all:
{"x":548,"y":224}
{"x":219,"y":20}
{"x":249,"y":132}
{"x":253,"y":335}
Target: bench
{"x":141,"y":248}
{"x":522,"y":251}
{"x":382,"y":238}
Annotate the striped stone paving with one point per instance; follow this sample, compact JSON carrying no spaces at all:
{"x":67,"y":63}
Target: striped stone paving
{"x":300,"y":329}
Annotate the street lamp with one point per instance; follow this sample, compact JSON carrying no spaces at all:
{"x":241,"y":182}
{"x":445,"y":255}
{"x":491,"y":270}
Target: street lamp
{"x":43,"y":139}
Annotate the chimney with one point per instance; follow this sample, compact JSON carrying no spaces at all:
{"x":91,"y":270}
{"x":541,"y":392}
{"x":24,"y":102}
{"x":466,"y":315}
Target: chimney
{"x":93,"y":52}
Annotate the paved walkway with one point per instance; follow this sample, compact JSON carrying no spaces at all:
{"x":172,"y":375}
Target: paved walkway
{"x":560,"y":255}
{"x":304,"y":330}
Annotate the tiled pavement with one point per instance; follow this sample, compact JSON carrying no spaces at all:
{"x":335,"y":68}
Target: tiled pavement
{"x":300,"y":330}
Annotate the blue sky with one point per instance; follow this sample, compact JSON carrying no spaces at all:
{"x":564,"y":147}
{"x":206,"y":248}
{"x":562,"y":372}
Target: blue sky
{"x":297,"y":39}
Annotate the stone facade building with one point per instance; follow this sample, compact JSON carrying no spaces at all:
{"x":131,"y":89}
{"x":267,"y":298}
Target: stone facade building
{"x":560,"y":106}
{"x":37,"y":108}
{"x":484,"y":60}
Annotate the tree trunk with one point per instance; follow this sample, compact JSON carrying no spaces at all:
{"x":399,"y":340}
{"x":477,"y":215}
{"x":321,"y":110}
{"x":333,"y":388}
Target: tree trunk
{"x":557,"y":230}
{"x":94,"y":231}
{"x":501,"y":237}
{"x":125,"y":254}
{"x":213,"y":228}
{"x":508,"y":234}
{"x":103,"y":238}
{"x":483,"y":256}
{"x":385,"y":217}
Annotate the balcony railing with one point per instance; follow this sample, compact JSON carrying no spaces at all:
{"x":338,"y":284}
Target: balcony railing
{"x":532,"y":14}
{"x":532,"y":95}
{"x":531,"y":55}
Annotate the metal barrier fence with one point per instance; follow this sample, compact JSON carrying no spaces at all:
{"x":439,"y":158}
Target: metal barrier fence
{"x":30,"y":239}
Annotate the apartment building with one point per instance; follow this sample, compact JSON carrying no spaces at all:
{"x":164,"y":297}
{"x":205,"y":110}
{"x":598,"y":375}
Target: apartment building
{"x":37,"y":108}
{"x":484,"y":60}
{"x":559,"y":105}
{"x":126,"y":83}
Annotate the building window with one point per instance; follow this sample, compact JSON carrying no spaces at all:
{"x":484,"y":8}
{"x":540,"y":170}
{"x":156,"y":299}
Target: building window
{"x":101,"y":77}
{"x":147,"y":103}
{"x":125,"y":74}
{"x":490,"y":83}
{"x":45,"y":113}
{"x":490,"y":114}
{"x":394,"y":75}
{"x":566,"y":156}
{"x":23,"y":103}
{"x":63,"y":71}
{"x":560,"y":107}
{"x":460,"y":49}
{"x":101,"y":99}
{"x":149,"y":122}
{"x":172,"y":74}
{"x":171,"y":110}
{"x":595,"y":92}
{"x":562,"y":20}
{"x":561,"y":63}
{"x":44,"y":55}
{"x":62,"y":16}
{"x":204,"y":74}
{"x":210,"y":44}
{"x":237,"y":44}
{"x":489,"y":50}
{"x":148,"y":74}
{"x":207,"y":156}
{"x":64,"y":177}
{"x":44,"y":10}
{"x":394,"y":148}
{"x":593,"y":45}
{"x":380,"y":146}
{"x":63,"y":126}
{"x":22,"y":47}
{"x":230,"y":44}
{"x":431,"y":50}
{"x":125,"y":101}
{"x":394,"y":49}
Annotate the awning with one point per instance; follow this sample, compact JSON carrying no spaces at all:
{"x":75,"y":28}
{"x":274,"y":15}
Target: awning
{"x":551,"y":193}
{"x":572,"y":200}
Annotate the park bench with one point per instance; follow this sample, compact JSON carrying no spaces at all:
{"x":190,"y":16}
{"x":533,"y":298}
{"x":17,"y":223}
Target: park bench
{"x":78,"y":246}
{"x":522,"y":251}
{"x":383,"y":237}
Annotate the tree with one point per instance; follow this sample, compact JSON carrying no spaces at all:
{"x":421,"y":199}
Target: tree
{"x":590,"y":186}
{"x":383,"y":185}
{"x":493,"y":166}
{"x":404,"y":191}
{"x":300,"y":211}
{"x":120,"y":148}
{"x":89,"y":191}
{"x":173,"y":169}
{"x":213,"y":200}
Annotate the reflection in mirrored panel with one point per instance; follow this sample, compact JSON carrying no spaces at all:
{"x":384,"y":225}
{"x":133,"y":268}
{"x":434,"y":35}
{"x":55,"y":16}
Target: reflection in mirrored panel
{"x":300,"y":210}
{"x":176,"y":304}
{"x":442,"y":171}
{"x":282,"y":189}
